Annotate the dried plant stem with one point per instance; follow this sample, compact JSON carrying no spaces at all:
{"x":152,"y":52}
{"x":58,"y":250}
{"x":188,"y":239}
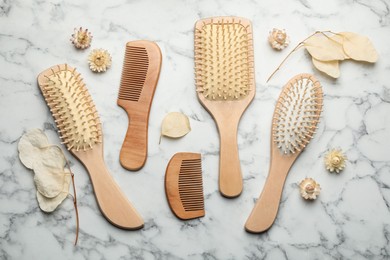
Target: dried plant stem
{"x":74,"y":204}
{"x":280,"y":65}
{"x":76,"y":210}
{"x":299,"y":45}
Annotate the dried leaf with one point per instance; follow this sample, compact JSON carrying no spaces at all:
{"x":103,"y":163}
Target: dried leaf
{"x":359,"y":47}
{"x":175,"y":125}
{"x":51,"y":177}
{"x":53,"y":157}
{"x":29,"y":147}
{"x":340,"y":39}
{"x":48,"y":163}
{"x":50,"y":204}
{"x":331,"y":68}
{"x":323,"y":48}
{"x":49,"y":182}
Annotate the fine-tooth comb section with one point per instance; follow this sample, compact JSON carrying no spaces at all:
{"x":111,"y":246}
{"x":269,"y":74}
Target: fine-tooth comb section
{"x":223,"y":60}
{"x":190,"y":185}
{"x":72,"y":108}
{"x":184,"y":185}
{"x":297,"y":114}
{"x":135,"y":68}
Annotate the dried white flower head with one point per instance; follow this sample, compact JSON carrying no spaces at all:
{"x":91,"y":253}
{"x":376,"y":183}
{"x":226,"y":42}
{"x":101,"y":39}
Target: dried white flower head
{"x":278,"y":39}
{"x":335,"y":160}
{"x":99,"y":60}
{"x":81,"y":39}
{"x":309,"y":189}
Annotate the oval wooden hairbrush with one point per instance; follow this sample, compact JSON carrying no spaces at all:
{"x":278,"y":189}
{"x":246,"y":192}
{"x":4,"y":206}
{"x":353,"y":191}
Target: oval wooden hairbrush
{"x":294,"y":122}
{"x":225,"y":85}
{"x":141,"y":70}
{"x":79,"y":127}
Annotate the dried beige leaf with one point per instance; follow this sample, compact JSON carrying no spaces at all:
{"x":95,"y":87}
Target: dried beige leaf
{"x":340,"y":39}
{"x":29,"y":147}
{"x":50,"y":204}
{"x":322,"y":48}
{"x":49,"y":181}
{"x":331,"y":68}
{"x":175,"y":125}
{"x":359,"y":47}
{"x":48,"y":163}
{"x":53,"y":157}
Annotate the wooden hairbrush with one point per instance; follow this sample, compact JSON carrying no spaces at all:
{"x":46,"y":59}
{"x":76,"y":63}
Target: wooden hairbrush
{"x":184,"y":187}
{"x":79,"y":127}
{"x":224,"y":74}
{"x":294,"y":122}
{"x":141,"y":70}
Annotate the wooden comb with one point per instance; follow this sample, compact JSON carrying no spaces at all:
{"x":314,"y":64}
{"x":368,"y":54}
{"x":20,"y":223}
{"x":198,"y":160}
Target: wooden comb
{"x":141,"y":70}
{"x":184,"y":187}
{"x":79,"y":127}
{"x":224,"y":74}
{"x":294,"y":122}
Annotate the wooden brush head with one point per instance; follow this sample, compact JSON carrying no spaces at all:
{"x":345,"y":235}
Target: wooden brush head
{"x":297,"y":113}
{"x":184,"y":186}
{"x":71,"y":106}
{"x":224,"y":58}
{"x":141,"y":69}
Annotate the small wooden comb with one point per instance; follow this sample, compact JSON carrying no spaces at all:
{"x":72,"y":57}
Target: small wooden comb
{"x":184,"y":186}
{"x":141,"y":70}
{"x":224,"y":74}
{"x":294,"y":122}
{"x":80,"y":130}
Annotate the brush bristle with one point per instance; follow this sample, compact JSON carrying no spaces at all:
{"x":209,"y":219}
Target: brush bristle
{"x":72,"y":108}
{"x":224,"y":60}
{"x":297,"y":113}
{"x":135,"y":68}
{"x":191,"y":185}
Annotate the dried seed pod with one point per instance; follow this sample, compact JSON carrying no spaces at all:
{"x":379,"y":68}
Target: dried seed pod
{"x":335,"y":160}
{"x":81,"y":39}
{"x":309,"y":189}
{"x":278,"y":39}
{"x":99,"y":60}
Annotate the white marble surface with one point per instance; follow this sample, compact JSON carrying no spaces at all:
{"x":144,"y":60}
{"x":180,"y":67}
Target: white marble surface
{"x":351,"y":218}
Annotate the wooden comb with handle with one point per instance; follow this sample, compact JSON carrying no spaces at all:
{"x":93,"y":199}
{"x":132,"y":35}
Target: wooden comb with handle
{"x":184,"y":186}
{"x":79,"y":127}
{"x":224,"y":74}
{"x":141,"y":70}
{"x":294,"y":122}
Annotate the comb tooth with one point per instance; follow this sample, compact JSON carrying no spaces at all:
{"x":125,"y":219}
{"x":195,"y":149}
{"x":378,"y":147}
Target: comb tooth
{"x":184,"y":187}
{"x":135,"y":68}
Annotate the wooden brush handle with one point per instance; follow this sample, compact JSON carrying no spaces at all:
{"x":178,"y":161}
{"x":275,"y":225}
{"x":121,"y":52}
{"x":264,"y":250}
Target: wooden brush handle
{"x":112,"y":202}
{"x":135,"y":146}
{"x":266,"y":208}
{"x":230,"y":177}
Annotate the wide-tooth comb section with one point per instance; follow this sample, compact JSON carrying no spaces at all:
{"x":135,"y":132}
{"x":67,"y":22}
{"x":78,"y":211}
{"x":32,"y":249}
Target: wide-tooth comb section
{"x":72,"y":108}
{"x":135,"y":68}
{"x":223,"y":59}
{"x":184,"y":185}
{"x":297,"y":113}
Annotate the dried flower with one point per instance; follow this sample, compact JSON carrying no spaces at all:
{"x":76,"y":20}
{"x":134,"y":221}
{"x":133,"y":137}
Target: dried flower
{"x":335,"y":160}
{"x":309,"y":189}
{"x":99,"y":60}
{"x":278,"y":39}
{"x":81,"y":39}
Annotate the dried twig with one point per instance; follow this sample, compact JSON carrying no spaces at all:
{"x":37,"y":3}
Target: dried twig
{"x":299,"y":45}
{"x":74,"y":204}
